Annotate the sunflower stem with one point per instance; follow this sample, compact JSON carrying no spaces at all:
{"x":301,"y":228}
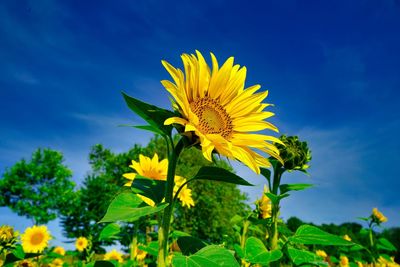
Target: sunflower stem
{"x":163,"y":231}
{"x":273,"y":241}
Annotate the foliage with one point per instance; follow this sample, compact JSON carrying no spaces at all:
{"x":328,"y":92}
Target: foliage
{"x":37,"y":188}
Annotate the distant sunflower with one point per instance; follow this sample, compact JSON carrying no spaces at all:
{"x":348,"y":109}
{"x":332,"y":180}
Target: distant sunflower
{"x":81,"y":243}
{"x":35,"y":239}
{"x":114,"y":255}
{"x":157,"y":170}
{"x":220,"y":111}
{"x":59,"y":250}
{"x":57,"y":263}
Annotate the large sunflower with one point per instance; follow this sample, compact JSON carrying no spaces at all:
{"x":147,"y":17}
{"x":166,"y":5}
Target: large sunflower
{"x":215,"y":106}
{"x":154,"y":169}
{"x":35,"y":239}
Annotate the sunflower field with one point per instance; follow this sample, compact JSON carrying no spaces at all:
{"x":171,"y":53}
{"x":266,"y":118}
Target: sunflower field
{"x":176,"y":201}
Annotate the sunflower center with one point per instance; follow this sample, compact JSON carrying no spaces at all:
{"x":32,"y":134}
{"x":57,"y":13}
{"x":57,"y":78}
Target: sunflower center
{"x":37,"y":238}
{"x":213,"y":118}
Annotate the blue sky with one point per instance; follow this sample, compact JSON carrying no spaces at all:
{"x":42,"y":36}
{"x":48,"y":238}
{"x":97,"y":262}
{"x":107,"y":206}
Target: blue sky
{"x":332,"y":70}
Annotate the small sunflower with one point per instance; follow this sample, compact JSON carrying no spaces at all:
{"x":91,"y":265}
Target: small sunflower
{"x":81,"y":243}
{"x":264,"y":205}
{"x":378,"y":216}
{"x":321,"y":253}
{"x":59,"y":250}
{"x":344,"y":261}
{"x":347,"y":237}
{"x":57,"y":263}
{"x":220,"y":111}
{"x":114,"y":255}
{"x":154,"y":169}
{"x":140,"y":255}
{"x":35,"y":239}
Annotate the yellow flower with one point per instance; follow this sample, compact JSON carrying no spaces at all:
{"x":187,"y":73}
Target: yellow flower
{"x":81,"y":243}
{"x":264,"y":205}
{"x":114,"y":255}
{"x":378,"y":215}
{"x":359,"y":264}
{"x":7,"y":234}
{"x":35,"y":239}
{"x":25,"y":263}
{"x":346,"y":237}
{"x":321,"y":253}
{"x":59,"y":250}
{"x":57,"y":263}
{"x":220,"y":111}
{"x":185,"y":195}
{"x":140,"y":255}
{"x":157,"y":170}
{"x":344,"y":261}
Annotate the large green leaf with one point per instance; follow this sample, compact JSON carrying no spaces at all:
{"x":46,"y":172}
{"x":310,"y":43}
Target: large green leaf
{"x":153,"y":115}
{"x":219,"y":174}
{"x":300,"y":257}
{"x":153,"y":189}
{"x":111,"y":231}
{"x":210,"y":256}
{"x":128,"y":207}
{"x":255,"y":252}
{"x":190,"y":245}
{"x":385,"y":244}
{"x":311,"y":235}
{"x":293,"y":187}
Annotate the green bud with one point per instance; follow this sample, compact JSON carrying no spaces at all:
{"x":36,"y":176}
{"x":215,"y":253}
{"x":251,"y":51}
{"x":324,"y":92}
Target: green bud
{"x":295,"y":154}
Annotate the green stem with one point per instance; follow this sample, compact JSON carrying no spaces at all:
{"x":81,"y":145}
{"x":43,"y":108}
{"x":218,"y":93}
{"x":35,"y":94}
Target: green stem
{"x":273,"y":241}
{"x":163,"y":231}
{"x":246,"y":224}
{"x":133,"y":250}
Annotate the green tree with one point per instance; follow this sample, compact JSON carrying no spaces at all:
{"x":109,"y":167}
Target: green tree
{"x":38,"y":188}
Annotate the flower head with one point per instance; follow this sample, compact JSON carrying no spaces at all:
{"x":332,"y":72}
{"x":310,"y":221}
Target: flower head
{"x":139,"y":254}
{"x":346,"y":237}
{"x":344,"y":261}
{"x":35,"y":239}
{"x":157,"y":170}
{"x":57,"y":263}
{"x":7,"y":235}
{"x":59,"y":250}
{"x":81,"y":243}
{"x":264,"y":205}
{"x":321,"y":253}
{"x":377,"y":216}
{"x":114,"y":255}
{"x":215,"y":106}
{"x":294,"y":153}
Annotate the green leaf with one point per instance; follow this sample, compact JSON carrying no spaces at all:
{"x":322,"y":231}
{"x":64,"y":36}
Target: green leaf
{"x":219,"y":174}
{"x":385,"y":244}
{"x":176,"y":234}
{"x":300,"y":257}
{"x":153,"y":115}
{"x":255,"y":252}
{"x":128,"y":207}
{"x":19,"y":252}
{"x":151,"y":248}
{"x":293,"y":187}
{"x":111,"y":231}
{"x":153,"y":189}
{"x":210,"y":256}
{"x":236,"y":219}
{"x":239,"y":250}
{"x":311,"y":235}
{"x":149,"y":128}
{"x":190,"y":245}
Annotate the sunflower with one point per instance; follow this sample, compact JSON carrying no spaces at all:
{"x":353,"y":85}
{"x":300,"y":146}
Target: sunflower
{"x":347,"y":237}
{"x":81,"y":243}
{"x":220,"y":111}
{"x":57,"y":263}
{"x":114,"y":255}
{"x":377,"y":215}
{"x":139,"y":254}
{"x":35,"y":239}
{"x":344,"y":261}
{"x":264,"y":205}
{"x":154,"y":169}
{"x":59,"y":250}
{"x":321,"y":253}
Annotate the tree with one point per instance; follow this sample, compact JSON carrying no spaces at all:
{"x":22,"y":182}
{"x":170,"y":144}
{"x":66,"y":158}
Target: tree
{"x":38,"y":188}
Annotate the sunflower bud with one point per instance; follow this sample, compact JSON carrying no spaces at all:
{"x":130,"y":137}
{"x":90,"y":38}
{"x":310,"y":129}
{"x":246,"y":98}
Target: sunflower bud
{"x":295,"y":154}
